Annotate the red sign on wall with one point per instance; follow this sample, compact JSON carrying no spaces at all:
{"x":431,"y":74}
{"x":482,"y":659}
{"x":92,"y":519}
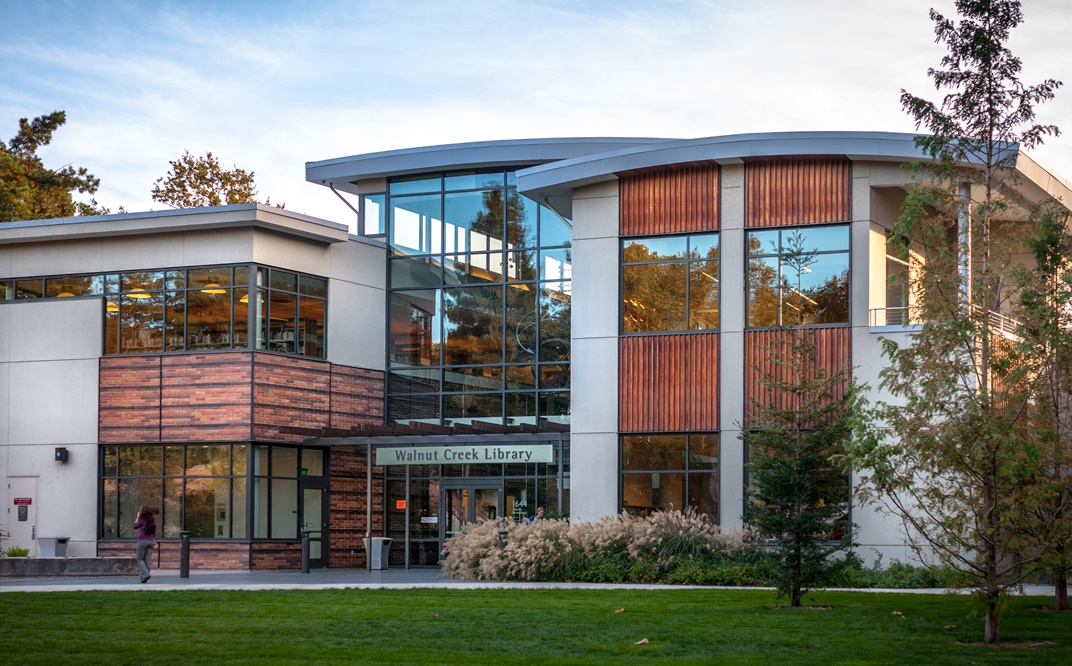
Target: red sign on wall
{"x":400,"y":504}
{"x":23,"y":501}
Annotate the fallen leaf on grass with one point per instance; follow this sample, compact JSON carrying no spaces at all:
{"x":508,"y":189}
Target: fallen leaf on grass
{"x":620,"y":610}
{"x":642,"y":641}
{"x":437,"y":614}
{"x":898,"y":613}
{"x":950,"y":626}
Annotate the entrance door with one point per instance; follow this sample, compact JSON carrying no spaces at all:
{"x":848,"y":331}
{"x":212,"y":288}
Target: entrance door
{"x":21,"y":518}
{"x":314,"y":492}
{"x":466,"y":503}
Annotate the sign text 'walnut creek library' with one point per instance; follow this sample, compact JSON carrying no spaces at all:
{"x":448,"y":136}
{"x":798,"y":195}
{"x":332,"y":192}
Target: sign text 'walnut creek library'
{"x":449,"y":455}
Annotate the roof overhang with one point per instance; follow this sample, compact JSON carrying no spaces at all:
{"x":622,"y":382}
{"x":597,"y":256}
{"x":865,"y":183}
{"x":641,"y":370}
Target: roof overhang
{"x":169,"y":221}
{"x":554,"y":182}
{"x":344,"y":173}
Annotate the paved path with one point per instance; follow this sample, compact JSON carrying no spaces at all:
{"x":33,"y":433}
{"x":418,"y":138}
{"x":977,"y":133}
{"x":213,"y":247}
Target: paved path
{"x":328,"y":579}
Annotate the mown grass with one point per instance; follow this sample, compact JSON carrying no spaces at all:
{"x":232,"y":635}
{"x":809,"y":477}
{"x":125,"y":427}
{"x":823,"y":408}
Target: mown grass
{"x":514,"y":626}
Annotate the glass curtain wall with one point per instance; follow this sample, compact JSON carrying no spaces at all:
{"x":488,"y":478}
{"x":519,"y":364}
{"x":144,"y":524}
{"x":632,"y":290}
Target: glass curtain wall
{"x":479,"y":306}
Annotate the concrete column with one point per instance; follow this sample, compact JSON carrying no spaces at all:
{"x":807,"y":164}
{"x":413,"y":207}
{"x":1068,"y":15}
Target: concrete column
{"x":731,"y":319}
{"x":594,"y":473}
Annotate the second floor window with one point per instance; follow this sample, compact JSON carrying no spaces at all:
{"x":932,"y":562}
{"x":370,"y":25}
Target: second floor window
{"x":798,"y":276}
{"x":670,"y":283}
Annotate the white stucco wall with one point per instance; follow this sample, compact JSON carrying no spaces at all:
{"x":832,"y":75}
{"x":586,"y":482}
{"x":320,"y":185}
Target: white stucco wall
{"x":49,"y":354}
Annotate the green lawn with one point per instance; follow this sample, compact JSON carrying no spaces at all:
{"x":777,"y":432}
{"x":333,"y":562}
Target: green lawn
{"x":513,"y":626}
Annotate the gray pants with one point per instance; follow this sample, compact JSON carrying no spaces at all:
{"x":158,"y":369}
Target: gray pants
{"x":145,"y":551}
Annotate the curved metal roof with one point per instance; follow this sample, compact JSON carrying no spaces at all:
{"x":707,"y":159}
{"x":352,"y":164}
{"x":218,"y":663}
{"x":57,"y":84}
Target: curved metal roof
{"x":344,"y":172}
{"x":555,"y":179}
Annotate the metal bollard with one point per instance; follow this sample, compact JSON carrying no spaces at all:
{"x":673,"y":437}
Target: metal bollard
{"x":305,"y":551}
{"x":184,"y":554}
{"x":502,"y":539}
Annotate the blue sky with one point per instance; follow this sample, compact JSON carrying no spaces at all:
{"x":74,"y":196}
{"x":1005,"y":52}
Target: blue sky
{"x":269,"y":85}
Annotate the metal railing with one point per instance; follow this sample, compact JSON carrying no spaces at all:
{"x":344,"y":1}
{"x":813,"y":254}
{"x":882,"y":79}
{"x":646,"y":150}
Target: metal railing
{"x":910,"y":316}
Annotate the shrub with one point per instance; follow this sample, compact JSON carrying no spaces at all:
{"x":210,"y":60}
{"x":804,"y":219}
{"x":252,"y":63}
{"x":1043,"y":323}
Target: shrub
{"x":15,"y":551}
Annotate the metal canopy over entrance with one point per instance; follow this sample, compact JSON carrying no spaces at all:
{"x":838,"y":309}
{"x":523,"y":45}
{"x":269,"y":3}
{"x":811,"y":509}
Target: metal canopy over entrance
{"x":435,"y":484}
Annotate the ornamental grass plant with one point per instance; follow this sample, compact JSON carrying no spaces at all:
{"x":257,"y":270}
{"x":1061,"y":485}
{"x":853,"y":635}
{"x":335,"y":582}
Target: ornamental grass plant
{"x":671,"y":547}
{"x":613,"y":549}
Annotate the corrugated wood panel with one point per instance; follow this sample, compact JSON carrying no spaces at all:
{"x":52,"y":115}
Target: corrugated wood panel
{"x":668,"y":383}
{"x":669,"y":201}
{"x":701,"y":379}
{"x":763,"y":349}
{"x":797,"y":191}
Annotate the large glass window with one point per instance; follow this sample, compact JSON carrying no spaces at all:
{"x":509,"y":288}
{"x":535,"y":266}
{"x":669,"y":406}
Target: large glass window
{"x":670,"y":283}
{"x":798,"y":276}
{"x":190,"y":309}
{"x":202,"y":488}
{"x":198,"y":488}
{"x":480,"y":290}
{"x":670,"y":471}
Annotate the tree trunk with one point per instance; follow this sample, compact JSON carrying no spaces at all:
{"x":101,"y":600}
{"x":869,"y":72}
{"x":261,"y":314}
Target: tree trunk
{"x":993,"y":630}
{"x":1060,"y":591}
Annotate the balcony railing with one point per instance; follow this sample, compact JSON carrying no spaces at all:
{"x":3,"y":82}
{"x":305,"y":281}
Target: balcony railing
{"x":910,"y":316}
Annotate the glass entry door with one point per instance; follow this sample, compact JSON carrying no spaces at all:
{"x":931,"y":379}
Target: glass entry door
{"x":463,"y":504}
{"x":314,"y":490}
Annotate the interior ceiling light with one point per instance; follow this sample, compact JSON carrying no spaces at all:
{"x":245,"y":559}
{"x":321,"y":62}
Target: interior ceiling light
{"x":139,"y":293}
{"x":244,"y":299}
{"x":64,"y":294}
{"x":213,"y":288}
{"x":112,"y":307}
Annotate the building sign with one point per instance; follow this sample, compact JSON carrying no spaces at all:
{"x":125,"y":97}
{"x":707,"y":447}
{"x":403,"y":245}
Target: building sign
{"x":449,"y":455}
{"x":23,"y":501}
{"x":400,"y":505}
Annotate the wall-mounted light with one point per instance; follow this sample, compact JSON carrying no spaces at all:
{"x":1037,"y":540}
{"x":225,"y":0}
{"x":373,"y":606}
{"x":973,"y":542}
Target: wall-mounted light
{"x":62,"y":455}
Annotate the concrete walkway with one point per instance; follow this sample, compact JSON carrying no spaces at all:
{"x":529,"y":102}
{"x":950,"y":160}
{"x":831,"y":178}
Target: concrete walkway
{"x":335,"y":579}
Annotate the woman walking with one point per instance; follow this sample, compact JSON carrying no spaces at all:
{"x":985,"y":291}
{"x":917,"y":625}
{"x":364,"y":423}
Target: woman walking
{"x":146,"y":526}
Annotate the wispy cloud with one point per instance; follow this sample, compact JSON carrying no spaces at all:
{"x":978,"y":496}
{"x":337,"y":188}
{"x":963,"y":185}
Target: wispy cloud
{"x":271,"y":85}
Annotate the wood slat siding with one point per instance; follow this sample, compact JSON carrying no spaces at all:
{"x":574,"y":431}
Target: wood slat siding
{"x":797,"y":191}
{"x":668,"y":383}
{"x":833,"y":354}
{"x":239,"y":396}
{"x":669,"y":201}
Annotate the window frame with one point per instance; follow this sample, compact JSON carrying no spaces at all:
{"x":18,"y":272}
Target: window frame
{"x":748,"y":257}
{"x":687,"y":261}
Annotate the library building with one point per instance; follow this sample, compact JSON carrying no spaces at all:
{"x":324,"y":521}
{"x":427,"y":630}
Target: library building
{"x":578,"y":325}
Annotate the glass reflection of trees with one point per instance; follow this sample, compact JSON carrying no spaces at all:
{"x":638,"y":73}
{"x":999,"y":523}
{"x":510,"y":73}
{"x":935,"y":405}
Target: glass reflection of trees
{"x":798,"y":276}
{"x":670,"y":283}
{"x":476,"y":294}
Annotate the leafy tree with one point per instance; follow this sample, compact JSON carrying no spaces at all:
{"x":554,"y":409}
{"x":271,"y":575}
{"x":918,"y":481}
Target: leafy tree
{"x":194,"y":182}
{"x":797,"y":495}
{"x":952,"y":460}
{"x":1046,"y":348}
{"x":28,"y":189}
